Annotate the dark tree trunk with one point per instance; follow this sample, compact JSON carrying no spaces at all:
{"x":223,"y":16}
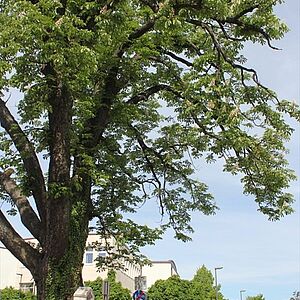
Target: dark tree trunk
{"x":59,"y":271}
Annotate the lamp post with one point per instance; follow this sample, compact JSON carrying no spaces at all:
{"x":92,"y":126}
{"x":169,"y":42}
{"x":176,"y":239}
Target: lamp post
{"x":216,"y":279}
{"x":241,"y":294}
{"x":21,"y":275}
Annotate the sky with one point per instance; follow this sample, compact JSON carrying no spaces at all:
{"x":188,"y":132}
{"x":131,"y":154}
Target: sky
{"x":257,"y":255}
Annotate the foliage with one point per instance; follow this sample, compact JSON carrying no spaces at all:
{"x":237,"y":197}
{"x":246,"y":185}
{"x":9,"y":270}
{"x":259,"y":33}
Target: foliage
{"x":296,"y":296}
{"x":200,"y":287}
{"x":13,"y":294}
{"x":96,"y":286}
{"x":258,"y":297}
{"x":203,"y":285}
{"x":172,"y":288}
{"x":118,"y":99}
{"x":116,"y":291}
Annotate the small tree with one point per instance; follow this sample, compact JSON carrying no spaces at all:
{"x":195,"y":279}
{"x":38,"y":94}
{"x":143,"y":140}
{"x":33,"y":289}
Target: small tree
{"x":200,"y":287}
{"x":172,"y":288}
{"x":203,"y":285}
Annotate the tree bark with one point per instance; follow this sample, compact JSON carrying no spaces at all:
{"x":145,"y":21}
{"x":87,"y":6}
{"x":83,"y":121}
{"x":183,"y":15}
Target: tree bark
{"x":59,"y":272}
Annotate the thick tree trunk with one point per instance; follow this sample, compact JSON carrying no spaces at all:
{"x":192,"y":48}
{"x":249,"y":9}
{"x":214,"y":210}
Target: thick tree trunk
{"x":60,"y":271}
{"x":60,"y":279}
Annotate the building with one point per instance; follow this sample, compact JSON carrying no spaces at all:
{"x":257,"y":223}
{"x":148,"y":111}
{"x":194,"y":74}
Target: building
{"x":91,"y":272}
{"x":14,"y":274}
{"x":10,"y":273}
{"x":158,"y":270}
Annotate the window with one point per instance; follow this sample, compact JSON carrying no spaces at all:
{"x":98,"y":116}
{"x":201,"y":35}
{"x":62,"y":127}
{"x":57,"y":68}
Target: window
{"x":89,"y":255}
{"x":102,"y":254}
{"x":26,"y":286}
{"x":89,"y":258}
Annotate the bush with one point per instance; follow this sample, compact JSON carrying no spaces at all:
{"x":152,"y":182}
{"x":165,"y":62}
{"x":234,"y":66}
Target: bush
{"x":14,"y":294}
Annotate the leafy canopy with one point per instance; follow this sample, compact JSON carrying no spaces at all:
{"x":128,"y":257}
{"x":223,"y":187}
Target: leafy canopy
{"x":147,"y":86}
{"x":170,"y":289}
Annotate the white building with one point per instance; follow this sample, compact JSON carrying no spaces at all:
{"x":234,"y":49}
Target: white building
{"x":14,"y":274}
{"x":158,"y":270}
{"x":9,"y":269}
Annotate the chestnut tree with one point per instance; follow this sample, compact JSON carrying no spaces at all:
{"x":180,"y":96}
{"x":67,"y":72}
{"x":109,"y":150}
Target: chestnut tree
{"x":115,"y":100}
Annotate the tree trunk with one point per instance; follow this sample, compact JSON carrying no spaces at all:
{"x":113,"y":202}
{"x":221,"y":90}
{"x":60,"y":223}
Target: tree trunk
{"x":60,"y":272}
{"x":60,"y":279}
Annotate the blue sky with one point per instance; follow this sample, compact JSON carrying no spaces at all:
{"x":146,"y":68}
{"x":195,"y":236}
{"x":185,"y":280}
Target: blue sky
{"x":257,"y":255}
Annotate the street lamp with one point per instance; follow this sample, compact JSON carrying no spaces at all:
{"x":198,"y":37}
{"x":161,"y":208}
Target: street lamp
{"x":21,"y":275}
{"x":218,"y":268}
{"x":241,"y":294}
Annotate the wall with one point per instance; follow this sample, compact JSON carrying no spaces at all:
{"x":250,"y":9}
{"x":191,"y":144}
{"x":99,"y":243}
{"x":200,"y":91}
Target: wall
{"x":159,"y":270}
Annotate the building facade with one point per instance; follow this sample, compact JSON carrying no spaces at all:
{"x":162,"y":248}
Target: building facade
{"x":14,"y":274}
{"x":158,"y":270}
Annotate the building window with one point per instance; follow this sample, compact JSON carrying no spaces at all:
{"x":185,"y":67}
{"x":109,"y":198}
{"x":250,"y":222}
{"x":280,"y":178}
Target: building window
{"x":89,"y":258}
{"x":89,"y":255}
{"x":102,"y":254}
{"x":27,"y":287}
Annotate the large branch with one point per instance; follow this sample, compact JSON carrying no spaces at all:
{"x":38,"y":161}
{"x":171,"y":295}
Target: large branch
{"x":135,"y":35}
{"x":176,"y":57}
{"x":27,"y":214}
{"x":98,"y":123}
{"x":60,"y":120}
{"x":111,"y":87}
{"x":149,"y":92}
{"x":27,"y":255}
{"x":31,"y":163}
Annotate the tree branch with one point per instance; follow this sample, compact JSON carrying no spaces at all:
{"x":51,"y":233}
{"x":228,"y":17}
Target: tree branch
{"x":176,"y":57}
{"x":135,"y":35}
{"x":243,"y":12}
{"x":98,"y":123}
{"x":27,"y":214}
{"x":27,"y":255}
{"x":31,"y":164}
{"x":60,"y":120}
{"x":250,"y":27}
{"x":148,"y":92}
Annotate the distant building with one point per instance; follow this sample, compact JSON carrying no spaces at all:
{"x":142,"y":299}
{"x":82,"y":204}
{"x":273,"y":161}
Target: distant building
{"x":14,"y":274}
{"x":91,"y":272}
{"x":10,"y":272}
{"x":158,"y":270}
